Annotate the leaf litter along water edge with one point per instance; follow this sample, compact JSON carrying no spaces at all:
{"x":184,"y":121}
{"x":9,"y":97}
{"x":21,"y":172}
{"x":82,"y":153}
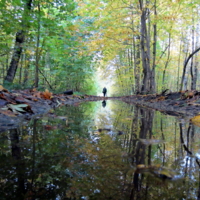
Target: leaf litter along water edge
{"x":22,"y":105}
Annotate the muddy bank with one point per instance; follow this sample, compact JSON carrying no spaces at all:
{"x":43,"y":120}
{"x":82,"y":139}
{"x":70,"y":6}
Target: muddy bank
{"x":183,"y":104}
{"x":18,"y":107}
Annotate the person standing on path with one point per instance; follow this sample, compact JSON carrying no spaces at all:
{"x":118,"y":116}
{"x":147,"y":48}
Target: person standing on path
{"x":104,"y":91}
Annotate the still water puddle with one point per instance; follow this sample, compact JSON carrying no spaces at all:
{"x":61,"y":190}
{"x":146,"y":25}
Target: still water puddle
{"x":99,"y":151}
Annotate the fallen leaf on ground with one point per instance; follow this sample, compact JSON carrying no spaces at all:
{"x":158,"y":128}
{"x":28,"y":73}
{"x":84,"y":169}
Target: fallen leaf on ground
{"x":47,"y":94}
{"x":34,"y":90}
{"x":37,"y":94}
{"x":7,"y":112}
{"x":7,"y":97}
{"x":2,"y":89}
{"x":21,"y":100}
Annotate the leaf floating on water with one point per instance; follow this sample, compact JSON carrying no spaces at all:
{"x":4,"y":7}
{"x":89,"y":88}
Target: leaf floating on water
{"x":141,"y":166}
{"x":157,"y":171}
{"x":163,"y":173}
{"x":151,"y":141}
{"x":61,"y":117}
{"x":196,"y":120}
{"x":196,"y":123}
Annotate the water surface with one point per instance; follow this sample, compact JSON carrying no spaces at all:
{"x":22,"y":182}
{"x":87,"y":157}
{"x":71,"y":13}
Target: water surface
{"x":101,"y":150}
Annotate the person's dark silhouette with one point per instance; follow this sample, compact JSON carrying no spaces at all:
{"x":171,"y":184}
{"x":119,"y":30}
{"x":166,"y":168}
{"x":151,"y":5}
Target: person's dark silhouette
{"x":104,"y":91}
{"x":103,"y":103}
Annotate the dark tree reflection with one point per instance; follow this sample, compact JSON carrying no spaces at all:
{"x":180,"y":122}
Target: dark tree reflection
{"x":19,"y":165}
{"x":144,"y":154}
{"x":140,"y":152}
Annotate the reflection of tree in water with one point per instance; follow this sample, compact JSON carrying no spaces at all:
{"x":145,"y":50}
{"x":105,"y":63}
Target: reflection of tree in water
{"x":18,"y":157}
{"x":31,"y":169}
{"x":140,"y":151}
{"x":187,"y":145}
{"x":145,"y":186}
{"x":169,"y":156}
{"x":64,"y":162}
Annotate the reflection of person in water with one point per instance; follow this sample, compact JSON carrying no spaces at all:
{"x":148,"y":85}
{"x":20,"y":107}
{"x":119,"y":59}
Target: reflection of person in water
{"x":104,"y":103}
{"x":104,"y":91}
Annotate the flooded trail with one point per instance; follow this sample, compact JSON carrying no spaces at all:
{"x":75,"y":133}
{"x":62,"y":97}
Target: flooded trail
{"x":101,"y":150}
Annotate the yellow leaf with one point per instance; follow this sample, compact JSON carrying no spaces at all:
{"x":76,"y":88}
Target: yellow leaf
{"x":141,"y":166}
{"x":2,"y":89}
{"x":196,"y":120}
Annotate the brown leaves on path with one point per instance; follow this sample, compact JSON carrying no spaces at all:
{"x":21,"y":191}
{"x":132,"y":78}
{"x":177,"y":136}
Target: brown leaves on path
{"x":31,"y":101}
{"x":47,"y":95}
{"x":20,"y":102}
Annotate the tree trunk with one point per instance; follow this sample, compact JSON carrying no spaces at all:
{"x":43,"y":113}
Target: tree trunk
{"x":20,"y":72}
{"x":185,"y":50}
{"x":37,"y":50}
{"x":192,"y":59}
{"x":153,"y":83}
{"x":19,"y":40}
{"x":196,"y":62}
{"x":136,"y":48}
{"x":26,"y":69}
{"x":135,"y":52}
{"x":179,"y":61}
{"x":167,"y":62}
{"x":185,"y":64}
{"x":145,"y":49}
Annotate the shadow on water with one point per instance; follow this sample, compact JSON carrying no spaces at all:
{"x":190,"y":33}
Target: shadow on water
{"x":98,"y":152}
